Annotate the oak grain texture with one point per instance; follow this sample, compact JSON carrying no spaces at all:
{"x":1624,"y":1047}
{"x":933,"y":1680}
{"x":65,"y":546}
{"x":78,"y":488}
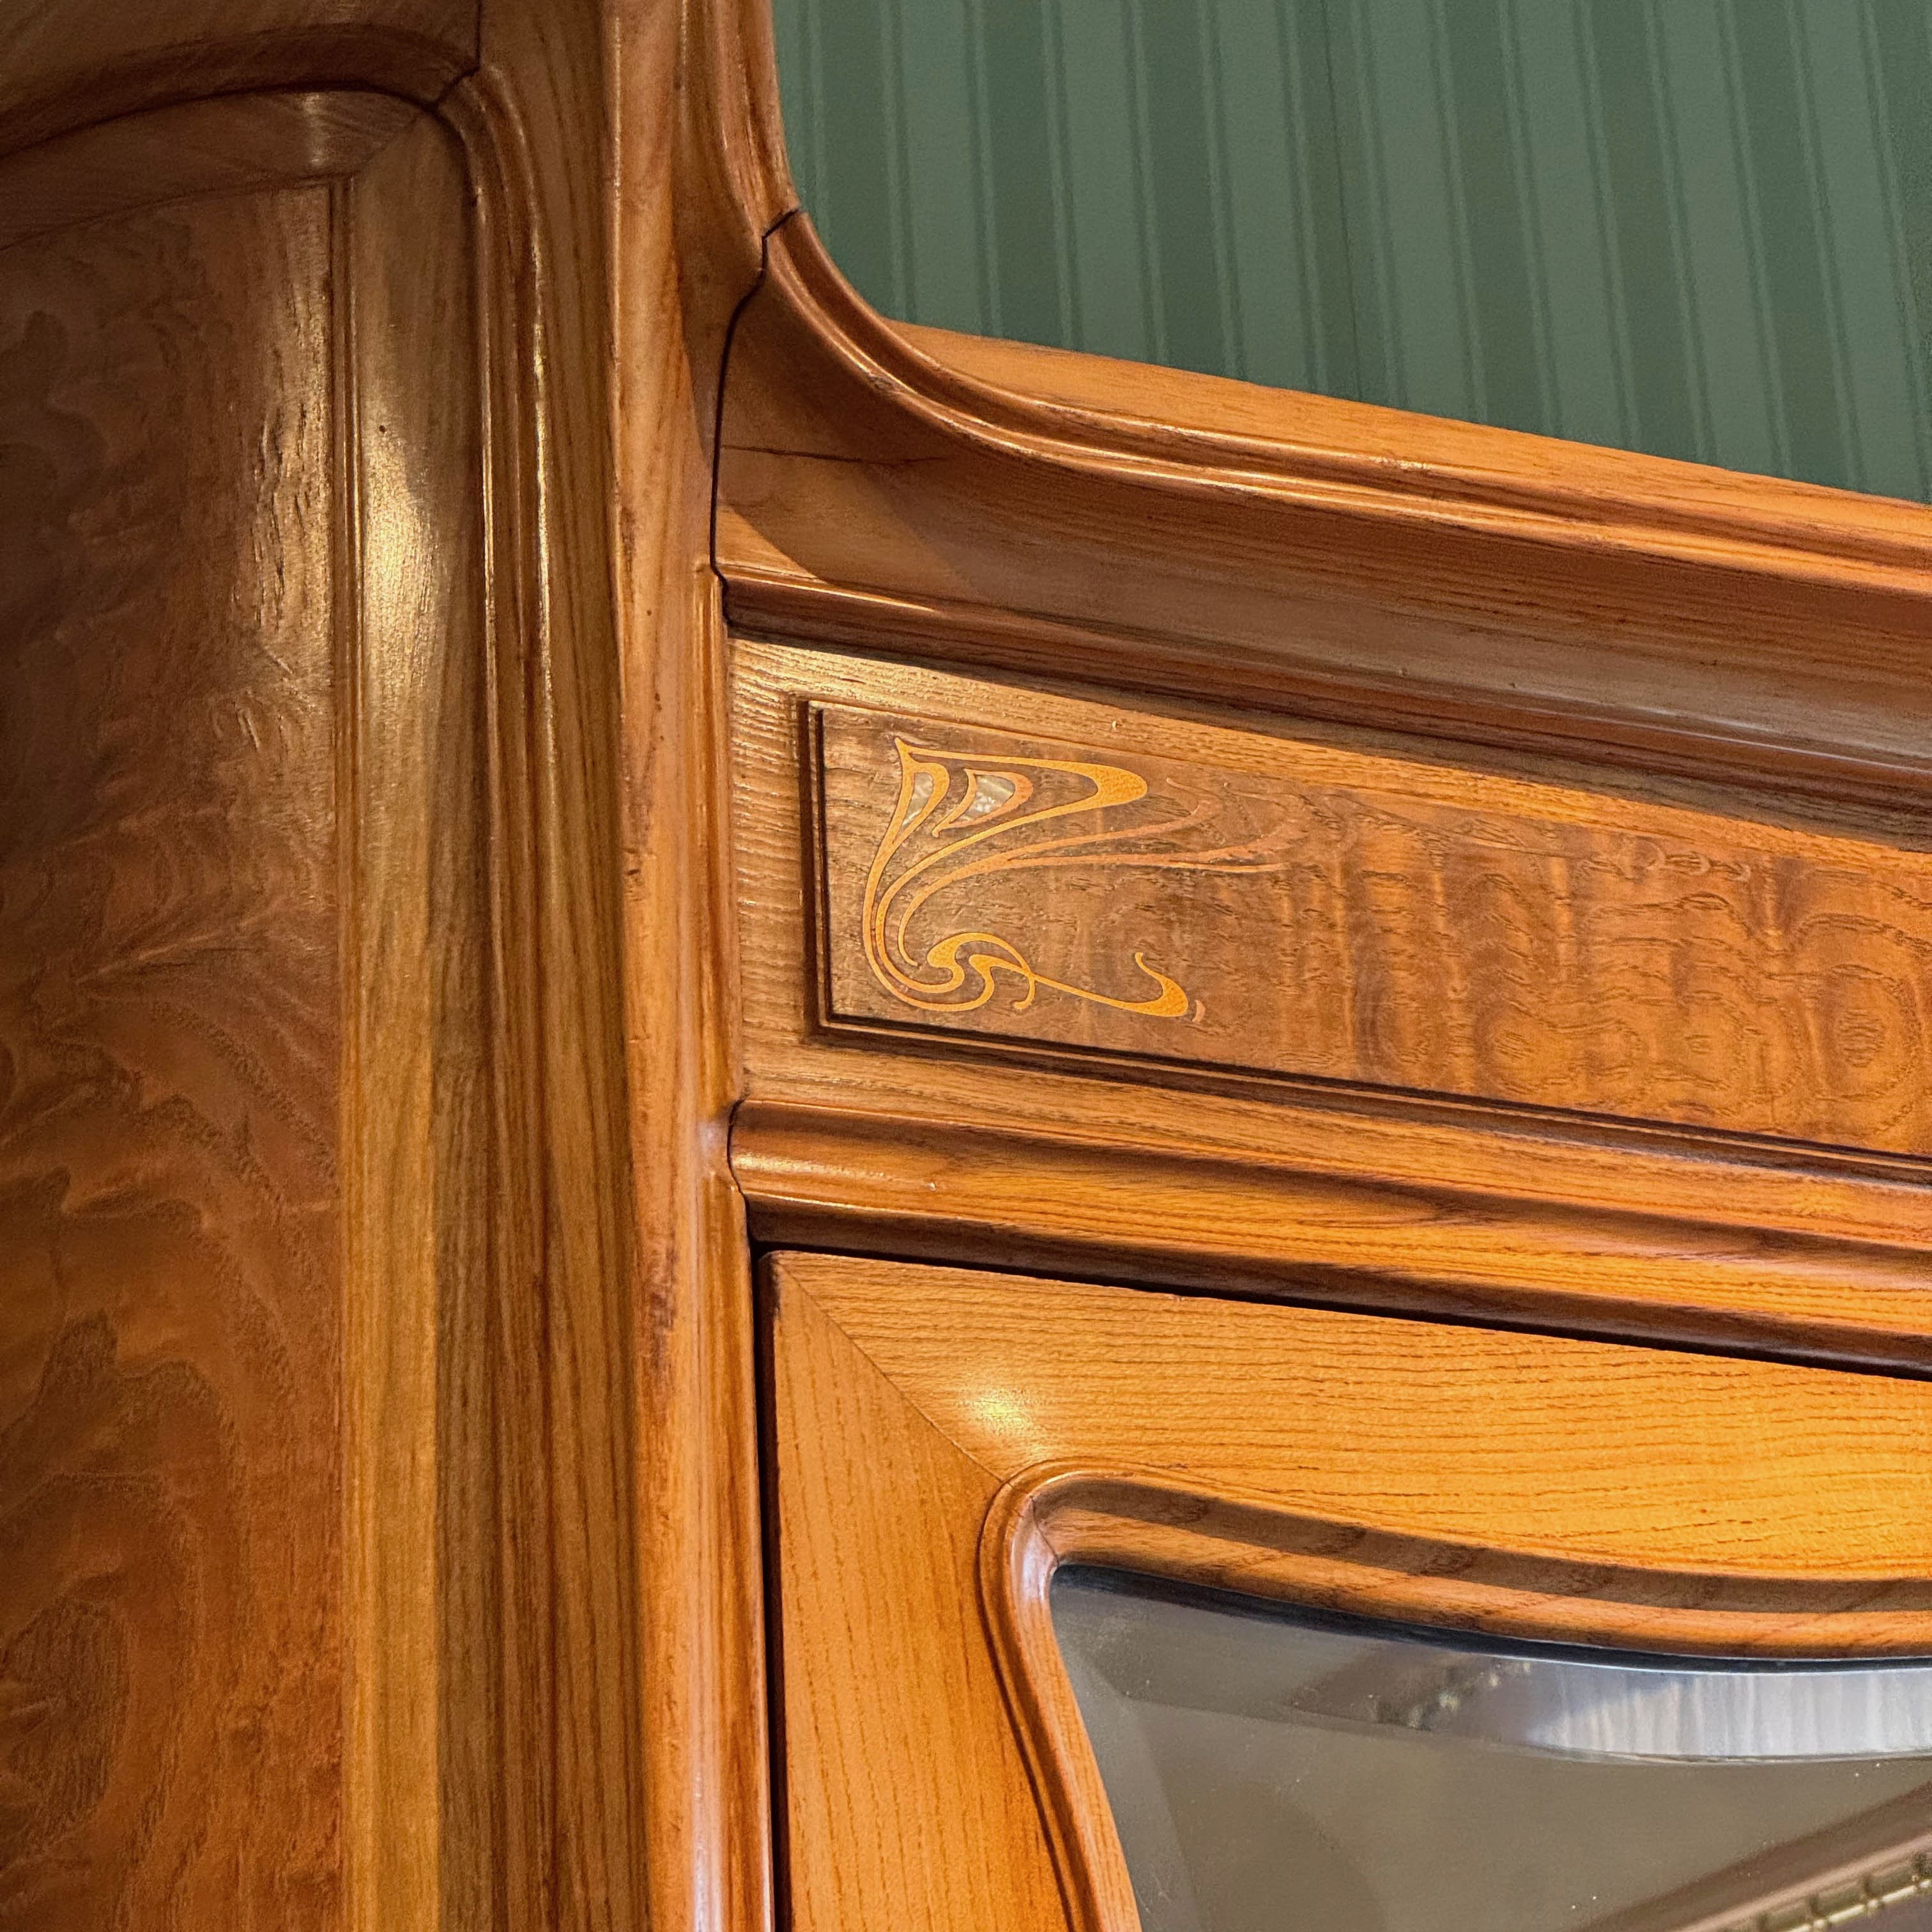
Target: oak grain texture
{"x":466,"y":1350}
{"x":889,"y":1139}
{"x":539,"y":1372}
{"x":172,"y":1614}
{"x":907,"y":1796}
{"x":698,"y":180}
{"x":1281,"y":905}
{"x":1077,"y":518}
{"x":1595,"y":1493}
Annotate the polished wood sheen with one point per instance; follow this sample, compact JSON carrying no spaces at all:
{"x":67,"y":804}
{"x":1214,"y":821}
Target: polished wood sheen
{"x":172,"y":1610}
{"x":945,"y":1438}
{"x":318,"y":1605}
{"x":962,"y":1144}
{"x":1069,"y":516}
{"x":467,"y":562}
{"x":1285,"y":906}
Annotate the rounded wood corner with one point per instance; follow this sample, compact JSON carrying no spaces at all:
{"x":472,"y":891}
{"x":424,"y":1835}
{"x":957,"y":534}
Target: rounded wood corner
{"x":1162,"y":1524}
{"x":1023,"y":510}
{"x":69,"y":65}
{"x":736,"y":181}
{"x":1208,"y":440}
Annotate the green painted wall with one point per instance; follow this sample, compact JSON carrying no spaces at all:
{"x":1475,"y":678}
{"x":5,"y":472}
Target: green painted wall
{"x":1698,"y":227}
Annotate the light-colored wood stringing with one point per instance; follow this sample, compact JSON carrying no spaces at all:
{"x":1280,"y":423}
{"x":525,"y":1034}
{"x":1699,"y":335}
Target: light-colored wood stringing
{"x":477,"y":1378}
{"x":1277,"y":904}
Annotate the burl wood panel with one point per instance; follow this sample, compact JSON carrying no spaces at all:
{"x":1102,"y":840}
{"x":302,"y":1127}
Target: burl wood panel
{"x":170,"y":1033}
{"x":1187,"y":892}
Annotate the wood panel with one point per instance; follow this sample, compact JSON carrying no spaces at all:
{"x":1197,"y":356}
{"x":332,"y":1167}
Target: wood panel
{"x":171,"y":1033}
{"x":428,"y":1414}
{"x":200,"y":147}
{"x":1596,"y":1493}
{"x":247,"y":838}
{"x":509,"y":1437}
{"x":913,"y":1792}
{"x":952,"y":1145}
{"x":1282,"y":905}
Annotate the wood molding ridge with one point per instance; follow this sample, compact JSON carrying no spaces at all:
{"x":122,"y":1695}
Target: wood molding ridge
{"x":780,"y":605}
{"x":1802,"y":531}
{"x":67,"y":65}
{"x":1000,"y":1194}
{"x":1162,"y":1523}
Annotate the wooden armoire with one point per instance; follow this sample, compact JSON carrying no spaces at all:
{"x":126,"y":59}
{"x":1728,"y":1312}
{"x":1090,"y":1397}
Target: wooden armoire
{"x":704,"y":999}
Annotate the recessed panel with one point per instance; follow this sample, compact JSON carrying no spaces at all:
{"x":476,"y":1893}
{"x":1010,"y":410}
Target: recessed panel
{"x":1182,"y":892}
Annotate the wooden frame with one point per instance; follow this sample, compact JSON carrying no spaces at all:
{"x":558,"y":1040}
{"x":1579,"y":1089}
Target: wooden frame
{"x":681,"y":421}
{"x":986,"y":530}
{"x":942,"y":1440}
{"x":1078,"y":1162}
{"x":497,"y":1659}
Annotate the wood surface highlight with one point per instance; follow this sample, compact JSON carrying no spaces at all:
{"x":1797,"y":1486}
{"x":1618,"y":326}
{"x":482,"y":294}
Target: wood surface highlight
{"x":350,"y":657}
{"x":928,"y":1417}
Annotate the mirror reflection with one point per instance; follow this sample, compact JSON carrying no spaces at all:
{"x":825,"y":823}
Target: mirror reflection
{"x":1270,"y":1767}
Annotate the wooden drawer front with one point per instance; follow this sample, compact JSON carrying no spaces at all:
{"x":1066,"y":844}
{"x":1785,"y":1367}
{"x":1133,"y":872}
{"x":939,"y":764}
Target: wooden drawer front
{"x":1109,"y":882}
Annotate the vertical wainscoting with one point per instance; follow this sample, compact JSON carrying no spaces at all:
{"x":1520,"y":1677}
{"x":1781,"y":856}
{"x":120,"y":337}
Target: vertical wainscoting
{"x":1700,"y":228}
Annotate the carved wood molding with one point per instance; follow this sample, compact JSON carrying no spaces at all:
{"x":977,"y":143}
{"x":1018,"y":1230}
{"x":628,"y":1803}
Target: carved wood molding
{"x":1385,"y":461}
{"x":1070,"y":516}
{"x":69,"y":63}
{"x":485,"y":1569}
{"x":1287,"y":909}
{"x":1152,"y":1523}
{"x":1084,"y":1203}
{"x":944,"y":1439}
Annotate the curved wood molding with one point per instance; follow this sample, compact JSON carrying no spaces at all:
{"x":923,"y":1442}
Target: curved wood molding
{"x":1088,"y":414}
{"x":1149,"y":1523}
{"x":1069,"y":516}
{"x":1173,"y":1216}
{"x":944,"y":1439}
{"x":484,"y":1558}
{"x":68,"y":63}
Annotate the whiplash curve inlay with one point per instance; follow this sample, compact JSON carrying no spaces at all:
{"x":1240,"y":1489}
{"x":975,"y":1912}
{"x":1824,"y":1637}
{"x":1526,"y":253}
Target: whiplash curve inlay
{"x":1241,"y":899}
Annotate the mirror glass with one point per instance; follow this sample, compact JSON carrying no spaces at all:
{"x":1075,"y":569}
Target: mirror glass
{"x":1274,"y":1767}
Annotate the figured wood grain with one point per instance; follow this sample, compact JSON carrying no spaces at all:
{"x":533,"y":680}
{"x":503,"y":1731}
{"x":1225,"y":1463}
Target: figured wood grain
{"x":69,"y":63}
{"x":428,"y":1422}
{"x":337,"y":405}
{"x":1285,"y":906}
{"x":1593,"y":1493}
{"x":1157,"y":1525}
{"x":200,"y":147}
{"x":1588,"y":1451}
{"x":948,"y":1188}
{"x":171,"y":1035}
{"x":691,"y":87}
{"x":494,"y":1379}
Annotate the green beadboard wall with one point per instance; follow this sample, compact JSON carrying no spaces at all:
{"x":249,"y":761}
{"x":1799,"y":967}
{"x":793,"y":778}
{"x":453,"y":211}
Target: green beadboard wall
{"x":1701,"y":228}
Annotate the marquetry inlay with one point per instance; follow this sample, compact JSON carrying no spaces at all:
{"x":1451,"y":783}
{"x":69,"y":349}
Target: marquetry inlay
{"x":1252,"y":901}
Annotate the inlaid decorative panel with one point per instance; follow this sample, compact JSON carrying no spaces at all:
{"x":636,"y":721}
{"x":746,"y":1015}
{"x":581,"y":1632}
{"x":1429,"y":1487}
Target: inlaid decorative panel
{"x":1281,"y":908}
